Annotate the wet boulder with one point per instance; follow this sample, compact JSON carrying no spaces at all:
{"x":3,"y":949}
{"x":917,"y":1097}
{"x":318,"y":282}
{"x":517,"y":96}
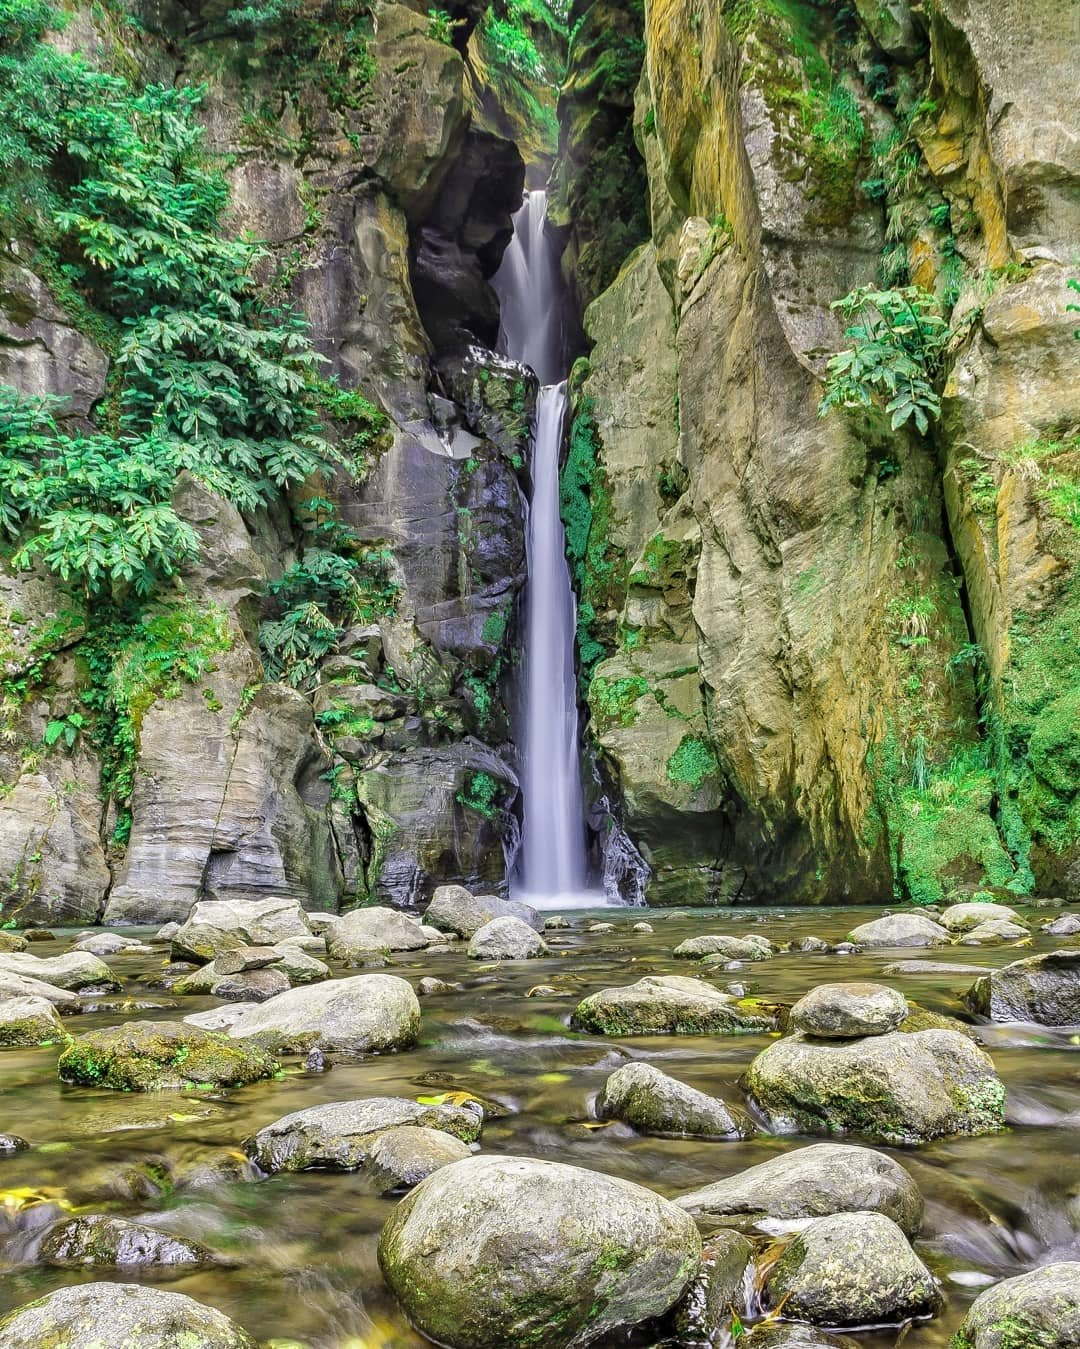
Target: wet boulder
{"x":250,"y":985}
{"x":965,"y":917}
{"x":300,"y":966}
{"x":161,"y":1055}
{"x":654,"y":1103}
{"x":402,"y":1157}
{"x":12,"y":941}
{"x":102,"y":1239}
{"x":28,"y":1021}
{"x":847,"y":1011}
{"x":811,"y":1182}
{"x":216,"y":925}
{"x":240,"y":959}
{"x":75,"y":971}
{"x":136,"y":1317}
{"x":669,"y":1005}
{"x":718,"y":1288}
{"x":727,"y":948}
{"x":219,"y":1018}
{"x":1065,"y":925}
{"x":339,"y":1136}
{"x":1040,"y":1310}
{"x":454,"y":909}
{"x":367,"y":1014}
{"x":994,"y":930}
{"x":374,"y":929}
{"x":506,"y":938}
{"x":900,"y":1088}
{"x":851,"y":1270}
{"x":517,"y":1252}
{"x":1043,"y":989}
{"x":111,"y":944}
{"x":783,"y":1335}
{"x":899,"y":929}
{"x":20,"y":986}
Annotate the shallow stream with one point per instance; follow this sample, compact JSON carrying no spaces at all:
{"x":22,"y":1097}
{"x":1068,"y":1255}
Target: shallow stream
{"x":302,"y":1246}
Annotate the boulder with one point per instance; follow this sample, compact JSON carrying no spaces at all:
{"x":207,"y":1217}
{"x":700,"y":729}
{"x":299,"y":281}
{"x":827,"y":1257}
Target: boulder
{"x":28,"y":1021}
{"x":367,"y":1014}
{"x":810,"y":1182}
{"x":728,"y":948}
{"x":339,"y":1136}
{"x":964,"y":917}
{"x":851,"y":1270}
{"x":1043,"y":989}
{"x":251,"y":985}
{"x":1066,"y":925}
{"x":901,"y":1088}
{"x":20,"y":986}
{"x":216,"y":925}
{"x":12,"y":941}
{"x":136,"y":1317}
{"x":100,"y":1239}
{"x":374,"y":929}
{"x":219,"y":1018}
{"x":995,"y":930}
{"x":242,"y":958}
{"x":159,"y":1055}
{"x":846,"y":1011}
{"x":197,"y":982}
{"x":650,"y":1101}
{"x":1040,"y":1310}
{"x":506,"y":938}
{"x":718,"y":1288}
{"x":111,"y":944}
{"x":75,"y":971}
{"x":517,"y":1252}
{"x":668,"y":1005}
{"x":899,"y":929}
{"x":781,"y":1335}
{"x":300,"y":967}
{"x":402,"y":1157}
{"x":454,"y":909}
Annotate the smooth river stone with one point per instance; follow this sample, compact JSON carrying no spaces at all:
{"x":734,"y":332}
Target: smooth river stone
{"x":847,"y":1011}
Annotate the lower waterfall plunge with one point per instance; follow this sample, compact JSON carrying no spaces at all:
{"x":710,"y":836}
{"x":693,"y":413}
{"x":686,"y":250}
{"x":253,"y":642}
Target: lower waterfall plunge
{"x":553,"y":865}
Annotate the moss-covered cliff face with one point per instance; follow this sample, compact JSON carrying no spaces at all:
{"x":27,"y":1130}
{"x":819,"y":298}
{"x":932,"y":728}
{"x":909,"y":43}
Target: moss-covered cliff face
{"x":826,"y":660}
{"x":822,"y":658}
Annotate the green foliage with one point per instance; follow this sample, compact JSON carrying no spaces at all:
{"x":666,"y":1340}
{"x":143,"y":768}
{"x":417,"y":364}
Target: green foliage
{"x":692,"y":762}
{"x":613,"y":701}
{"x":64,"y":729}
{"x":895,"y":358}
{"x":441,"y":26}
{"x":482,"y":794}
{"x":839,"y":127}
{"x":514,"y":48}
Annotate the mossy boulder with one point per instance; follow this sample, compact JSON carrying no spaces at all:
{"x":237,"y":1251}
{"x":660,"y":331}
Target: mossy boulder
{"x":102,"y":1239}
{"x":402,"y":1157}
{"x":851,"y":1270}
{"x":455,"y":909}
{"x":899,"y":929}
{"x":849,"y":1011}
{"x":161,"y":1055}
{"x":1040,"y":1310}
{"x":76,"y":971}
{"x":725,"y":948}
{"x":339,"y":1136}
{"x":366,"y":1014}
{"x":375,"y":929}
{"x":530,"y":1254}
{"x":1043,"y":989}
{"x":964,"y":917}
{"x":216,"y":925}
{"x":28,"y":1021}
{"x":811,"y":1182}
{"x":136,"y":1317}
{"x":654,"y":1103}
{"x":670,"y":1005}
{"x":898,"y":1088}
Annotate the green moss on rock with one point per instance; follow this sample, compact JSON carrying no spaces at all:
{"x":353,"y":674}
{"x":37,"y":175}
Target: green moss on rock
{"x":161,"y":1055}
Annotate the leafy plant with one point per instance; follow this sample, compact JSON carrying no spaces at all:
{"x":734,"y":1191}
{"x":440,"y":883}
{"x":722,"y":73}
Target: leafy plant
{"x":895,"y":357}
{"x":64,"y":728}
{"x":514,"y":48}
{"x":441,"y":26}
{"x":481,"y":794}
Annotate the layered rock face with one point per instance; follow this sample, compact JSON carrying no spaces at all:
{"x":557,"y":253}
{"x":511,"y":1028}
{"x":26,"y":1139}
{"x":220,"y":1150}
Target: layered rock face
{"x":816,"y":650}
{"x":384,"y":191}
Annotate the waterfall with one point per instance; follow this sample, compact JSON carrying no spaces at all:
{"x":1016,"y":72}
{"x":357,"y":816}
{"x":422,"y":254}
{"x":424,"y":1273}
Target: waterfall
{"x":553,"y":833}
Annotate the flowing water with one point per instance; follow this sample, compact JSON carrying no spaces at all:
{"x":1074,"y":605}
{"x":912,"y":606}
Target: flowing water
{"x":302,"y":1246}
{"x":553,"y":827}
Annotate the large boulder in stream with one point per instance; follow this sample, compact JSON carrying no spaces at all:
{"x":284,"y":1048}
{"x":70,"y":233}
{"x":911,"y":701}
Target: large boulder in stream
{"x":670,"y":1005}
{"x":899,"y":929}
{"x":506,"y":938}
{"x":28,"y":1021}
{"x":340,"y":1136}
{"x":751,"y":947}
{"x":161,"y":1055}
{"x":901,"y":1088}
{"x":967,"y":917}
{"x":216,"y":925}
{"x":849,"y":1011}
{"x":374,"y":929}
{"x":811,"y":1182}
{"x":455,"y":909}
{"x":135,"y":1317}
{"x":75,"y":971}
{"x":106,"y":1240}
{"x":851,"y":1270}
{"x":517,"y":1252}
{"x":367,"y":1014}
{"x":1043,"y":989}
{"x":650,"y":1101}
{"x":1040,"y":1310}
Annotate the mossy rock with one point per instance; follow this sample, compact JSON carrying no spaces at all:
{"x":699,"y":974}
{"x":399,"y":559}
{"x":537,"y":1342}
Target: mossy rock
{"x":161,"y":1055}
{"x":671,"y":1005}
{"x":1040,"y":1310}
{"x":136,"y":1317}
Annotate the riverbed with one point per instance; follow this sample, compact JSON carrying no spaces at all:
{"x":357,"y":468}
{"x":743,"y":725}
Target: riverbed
{"x":301,"y":1247}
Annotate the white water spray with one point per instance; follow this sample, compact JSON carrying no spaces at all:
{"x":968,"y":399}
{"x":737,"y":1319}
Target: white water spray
{"x":553,"y":868}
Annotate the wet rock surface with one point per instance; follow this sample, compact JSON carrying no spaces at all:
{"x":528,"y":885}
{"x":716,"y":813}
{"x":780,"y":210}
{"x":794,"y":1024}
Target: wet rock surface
{"x":670,"y":1004}
{"x":648,"y":1099}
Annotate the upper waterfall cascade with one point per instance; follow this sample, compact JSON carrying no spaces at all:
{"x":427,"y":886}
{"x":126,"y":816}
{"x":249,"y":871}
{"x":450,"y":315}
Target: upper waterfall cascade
{"x":553,"y":864}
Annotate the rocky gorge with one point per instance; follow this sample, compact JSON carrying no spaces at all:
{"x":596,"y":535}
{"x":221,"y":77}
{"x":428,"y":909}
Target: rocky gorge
{"x":539,"y":795}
